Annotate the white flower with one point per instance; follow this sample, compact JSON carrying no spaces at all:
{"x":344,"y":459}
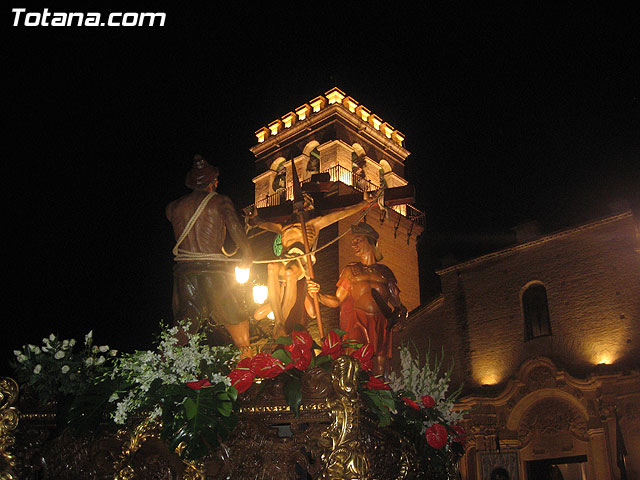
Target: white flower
{"x":104,"y":348}
{"x":88,"y":337}
{"x":72,"y":342}
{"x":89,"y":361}
{"x":113,"y":353}
{"x":65,"y":344}
{"x":37,"y":369}
{"x":45,"y":341}
{"x":36,"y":350}
{"x":65,"y":369}
{"x":114,"y":396}
{"x":17,"y":353}
{"x":52,"y":337}
{"x":32,"y":347}
{"x":45,"y":349}
{"x":59,"y":354}
{"x":21,"y":358}
{"x":100,"y":360}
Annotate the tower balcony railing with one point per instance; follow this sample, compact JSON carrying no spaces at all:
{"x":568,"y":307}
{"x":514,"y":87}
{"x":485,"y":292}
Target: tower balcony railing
{"x":338,"y":173}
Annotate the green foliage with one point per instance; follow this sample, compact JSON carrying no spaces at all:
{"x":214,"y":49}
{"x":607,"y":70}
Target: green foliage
{"x":60,"y":368}
{"x":91,"y":407}
{"x":283,"y":355}
{"x":198,"y":420}
{"x":284,"y":341}
{"x":293,"y":392}
{"x":380,"y":403}
{"x":413,"y":382}
{"x":188,"y":388}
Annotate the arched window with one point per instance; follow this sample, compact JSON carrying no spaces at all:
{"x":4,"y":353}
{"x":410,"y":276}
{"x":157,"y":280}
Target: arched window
{"x":535,"y":311}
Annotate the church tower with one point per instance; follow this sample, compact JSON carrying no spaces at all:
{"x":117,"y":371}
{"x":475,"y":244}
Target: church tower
{"x":357,"y":151}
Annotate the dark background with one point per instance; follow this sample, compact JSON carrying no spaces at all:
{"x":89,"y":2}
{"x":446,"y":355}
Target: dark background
{"x":511,"y":114}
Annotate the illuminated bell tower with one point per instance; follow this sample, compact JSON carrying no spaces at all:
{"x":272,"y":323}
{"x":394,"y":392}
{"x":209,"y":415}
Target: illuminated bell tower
{"x":357,"y":151}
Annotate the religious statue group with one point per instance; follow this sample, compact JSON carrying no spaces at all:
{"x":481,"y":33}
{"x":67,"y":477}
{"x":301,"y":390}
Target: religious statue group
{"x":204,"y":288}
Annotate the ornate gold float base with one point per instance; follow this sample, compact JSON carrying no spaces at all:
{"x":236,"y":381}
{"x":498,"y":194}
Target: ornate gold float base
{"x":331,"y":439}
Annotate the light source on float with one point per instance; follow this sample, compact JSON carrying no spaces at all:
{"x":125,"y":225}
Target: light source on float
{"x":242,"y":275}
{"x":260,"y":293}
{"x":271,"y":316}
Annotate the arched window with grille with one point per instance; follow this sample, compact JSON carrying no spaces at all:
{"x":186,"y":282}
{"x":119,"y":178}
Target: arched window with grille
{"x":535,"y":310}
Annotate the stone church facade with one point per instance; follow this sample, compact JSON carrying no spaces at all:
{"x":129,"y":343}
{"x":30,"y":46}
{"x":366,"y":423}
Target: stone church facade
{"x":545,"y":336}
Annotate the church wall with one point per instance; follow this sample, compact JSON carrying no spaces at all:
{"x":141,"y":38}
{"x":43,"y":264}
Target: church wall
{"x":435,"y":330}
{"x":326,"y":272}
{"x":592,"y":278}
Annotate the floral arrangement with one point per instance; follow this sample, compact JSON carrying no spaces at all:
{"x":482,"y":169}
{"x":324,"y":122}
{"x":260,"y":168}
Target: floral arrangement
{"x":61,"y":367}
{"x":301,"y":353}
{"x":192,"y":388}
{"x":185,"y":386}
{"x":414,"y":402}
{"x":426,"y":414}
{"x":145,"y":373}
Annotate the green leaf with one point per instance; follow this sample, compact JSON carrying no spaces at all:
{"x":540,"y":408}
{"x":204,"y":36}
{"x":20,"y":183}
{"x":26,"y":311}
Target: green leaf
{"x":190,"y":408}
{"x":90,"y":407}
{"x":284,"y":341}
{"x":233,"y":393}
{"x":225,"y":406}
{"x":282,"y":355}
{"x":340,"y":333}
{"x":379,"y":403}
{"x":293,"y":394}
{"x":323,"y":359}
{"x":208,"y":418}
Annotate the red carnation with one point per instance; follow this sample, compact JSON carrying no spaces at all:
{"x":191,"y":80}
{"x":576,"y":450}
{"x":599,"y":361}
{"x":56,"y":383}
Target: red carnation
{"x":332,"y":345}
{"x":428,"y":401}
{"x":266,"y":365}
{"x":436,"y":436}
{"x":411,"y":403}
{"x":364,"y":355}
{"x":375,"y":383}
{"x":197,"y":385}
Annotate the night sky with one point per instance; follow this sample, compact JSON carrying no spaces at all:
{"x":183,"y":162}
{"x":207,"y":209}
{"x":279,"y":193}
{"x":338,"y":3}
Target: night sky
{"x":511,"y":114}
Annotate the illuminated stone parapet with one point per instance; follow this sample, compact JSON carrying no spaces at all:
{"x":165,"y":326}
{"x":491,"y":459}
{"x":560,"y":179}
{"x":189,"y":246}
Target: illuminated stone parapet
{"x":334,"y":98}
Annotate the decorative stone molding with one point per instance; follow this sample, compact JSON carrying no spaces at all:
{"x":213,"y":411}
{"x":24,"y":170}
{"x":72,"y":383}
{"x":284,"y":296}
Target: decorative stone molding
{"x":543,"y":412}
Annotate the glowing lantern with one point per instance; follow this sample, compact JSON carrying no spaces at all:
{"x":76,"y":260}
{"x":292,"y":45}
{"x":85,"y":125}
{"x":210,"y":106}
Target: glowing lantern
{"x":260,"y":293}
{"x":242,"y":275}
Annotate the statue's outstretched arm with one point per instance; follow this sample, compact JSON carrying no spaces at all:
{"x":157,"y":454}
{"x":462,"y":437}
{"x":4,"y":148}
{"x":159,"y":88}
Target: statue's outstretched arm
{"x":254,"y":220}
{"x":333,"y":301}
{"x":324,"y":221}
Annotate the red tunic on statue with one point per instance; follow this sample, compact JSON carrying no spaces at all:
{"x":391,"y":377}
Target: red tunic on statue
{"x":361,"y":325}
